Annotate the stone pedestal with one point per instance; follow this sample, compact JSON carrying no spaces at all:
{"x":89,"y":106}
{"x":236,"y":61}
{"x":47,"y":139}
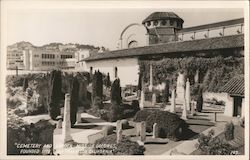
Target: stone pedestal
{"x":172,"y":107}
{"x":155,"y":130}
{"x":66,"y":121}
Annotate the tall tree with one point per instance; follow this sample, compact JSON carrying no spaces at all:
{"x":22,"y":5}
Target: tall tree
{"x":74,"y":101}
{"x":56,"y":94}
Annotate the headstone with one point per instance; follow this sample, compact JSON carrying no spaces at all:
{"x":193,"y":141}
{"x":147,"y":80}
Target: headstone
{"x":66,"y":121}
{"x":187,"y":95}
{"x":172,"y":108}
{"x":153,"y":99}
{"x":59,"y":124}
{"x":142,"y":100}
{"x":192,"y":108}
{"x":155,"y":130}
{"x":143,"y":131}
{"x":93,"y":137}
{"x":119,"y":136}
{"x":180,"y":89}
{"x":78,"y":117}
{"x":118,"y":125}
{"x":138,"y":129}
{"x":184,"y":111}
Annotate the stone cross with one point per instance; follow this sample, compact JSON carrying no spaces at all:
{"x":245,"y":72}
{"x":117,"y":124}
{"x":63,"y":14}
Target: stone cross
{"x":143,"y":131}
{"x":184,"y":111}
{"x":155,"y":130}
{"x":172,"y":108}
{"x":119,"y":136}
{"x":66,"y":121}
{"x":153,"y":99}
{"x":142,"y":99}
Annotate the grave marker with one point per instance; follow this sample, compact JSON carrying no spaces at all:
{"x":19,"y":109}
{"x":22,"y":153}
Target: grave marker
{"x":155,"y":130}
{"x":66,"y":122}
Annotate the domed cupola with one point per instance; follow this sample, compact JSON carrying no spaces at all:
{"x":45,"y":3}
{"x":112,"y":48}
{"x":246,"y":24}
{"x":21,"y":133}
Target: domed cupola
{"x":162,"y":27}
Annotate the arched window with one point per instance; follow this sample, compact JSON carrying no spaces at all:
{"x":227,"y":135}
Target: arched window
{"x":155,"y":23}
{"x":148,"y":23}
{"x":171,"y":22}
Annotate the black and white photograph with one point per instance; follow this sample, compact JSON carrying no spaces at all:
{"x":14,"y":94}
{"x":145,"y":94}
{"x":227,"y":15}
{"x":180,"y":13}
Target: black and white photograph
{"x":109,"y":79}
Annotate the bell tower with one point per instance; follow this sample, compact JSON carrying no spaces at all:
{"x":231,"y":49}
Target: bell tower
{"x":162,"y":27}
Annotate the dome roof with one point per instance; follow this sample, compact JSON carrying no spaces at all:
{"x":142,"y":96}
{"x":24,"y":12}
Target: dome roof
{"x":162,"y":16}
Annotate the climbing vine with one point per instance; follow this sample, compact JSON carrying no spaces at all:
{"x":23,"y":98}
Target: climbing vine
{"x":212,"y":72}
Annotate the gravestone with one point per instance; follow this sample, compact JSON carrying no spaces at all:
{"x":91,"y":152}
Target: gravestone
{"x":187,"y":95}
{"x":119,"y":136}
{"x":184,"y":111}
{"x":172,"y":108}
{"x":153,"y":99}
{"x":155,"y":130}
{"x":59,"y":124}
{"x":138,"y":129}
{"x":192,"y":108}
{"x":78,"y":117}
{"x":180,"y":91}
{"x":142,"y":99}
{"x":66,"y":121}
{"x":143,"y":131}
{"x":118,"y":125}
{"x":93,"y":137}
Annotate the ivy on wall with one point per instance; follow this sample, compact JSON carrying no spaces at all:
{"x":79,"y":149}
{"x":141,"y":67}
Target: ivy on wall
{"x":212,"y":72}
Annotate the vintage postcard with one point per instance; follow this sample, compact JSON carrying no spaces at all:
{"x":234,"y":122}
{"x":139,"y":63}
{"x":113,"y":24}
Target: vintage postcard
{"x":128,"y":79}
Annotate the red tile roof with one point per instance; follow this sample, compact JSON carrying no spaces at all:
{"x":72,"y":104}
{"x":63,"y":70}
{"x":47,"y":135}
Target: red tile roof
{"x":233,"y":41}
{"x":235,"y":86}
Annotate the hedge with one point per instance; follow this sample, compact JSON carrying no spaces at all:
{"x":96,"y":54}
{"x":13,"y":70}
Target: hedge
{"x":170,"y":125}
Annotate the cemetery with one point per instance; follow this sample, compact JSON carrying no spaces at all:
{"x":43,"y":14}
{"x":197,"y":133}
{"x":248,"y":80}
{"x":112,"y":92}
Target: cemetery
{"x":86,"y":113}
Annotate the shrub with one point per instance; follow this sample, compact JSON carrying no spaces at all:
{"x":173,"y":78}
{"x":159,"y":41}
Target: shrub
{"x":25,"y":84}
{"x":170,"y":125}
{"x":97,"y":85}
{"x":116,"y":92}
{"x":210,"y":145}
{"x":13,"y":102}
{"x":229,"y":131}
{"x":125,"y":147}
{"x":97,"y":103}
{"x":166,"y":92}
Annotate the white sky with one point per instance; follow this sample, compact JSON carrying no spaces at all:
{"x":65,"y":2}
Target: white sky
{"x":99,"y":27}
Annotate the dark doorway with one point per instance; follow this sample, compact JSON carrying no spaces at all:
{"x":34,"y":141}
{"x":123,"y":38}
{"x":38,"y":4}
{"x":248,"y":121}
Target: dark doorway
{"x":237,"y":106}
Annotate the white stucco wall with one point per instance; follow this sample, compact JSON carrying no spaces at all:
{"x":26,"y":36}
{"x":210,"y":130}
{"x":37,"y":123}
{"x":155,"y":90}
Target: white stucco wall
{"x":127,"y":69}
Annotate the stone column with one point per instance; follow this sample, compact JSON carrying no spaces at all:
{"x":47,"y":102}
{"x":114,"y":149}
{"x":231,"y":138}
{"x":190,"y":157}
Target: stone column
{"x":66,"y":122}
{"x":142,"y":100}
{"x":180,"y":90}
{"x":151,"y":78}
{"x":143,"y":131}
{"x":155,"y":130}
{"x":138,"y":127}
{"x":119,"y":136}
{"x":153,"y":99}
{"x":172,"y":108}
{"x":184,"y":111}
{"x":188,"y":94}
